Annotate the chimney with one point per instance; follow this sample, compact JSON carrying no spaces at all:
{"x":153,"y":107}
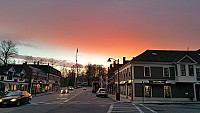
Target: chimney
{"x":124,"y":60}
{"x":114,"y":63}
{"x":108,"y":69}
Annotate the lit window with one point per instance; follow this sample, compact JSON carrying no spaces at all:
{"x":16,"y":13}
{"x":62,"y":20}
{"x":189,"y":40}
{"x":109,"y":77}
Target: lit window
{"x":147,"y":91}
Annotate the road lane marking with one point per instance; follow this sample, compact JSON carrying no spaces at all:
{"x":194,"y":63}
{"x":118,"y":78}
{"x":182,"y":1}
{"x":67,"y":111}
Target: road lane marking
{"x":73,"y":97}
{"x":138,"y":108}
{"x":148,"y":108}
{"x":110,"y":109}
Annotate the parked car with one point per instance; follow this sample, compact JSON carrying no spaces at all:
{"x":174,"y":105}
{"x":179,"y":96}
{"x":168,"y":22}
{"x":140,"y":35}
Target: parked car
{"x":16,"y":98}
{"x":84,"y":88}
{"x":64,"y":90}
{"x":102,"y":92}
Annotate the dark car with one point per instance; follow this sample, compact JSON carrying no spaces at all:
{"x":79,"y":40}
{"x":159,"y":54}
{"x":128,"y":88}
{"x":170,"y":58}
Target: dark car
{"x":16,"y":98}
{"x":84,"y":88}
{"x":64,"y":90}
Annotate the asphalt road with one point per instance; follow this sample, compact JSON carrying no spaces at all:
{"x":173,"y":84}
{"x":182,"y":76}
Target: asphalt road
{"x":76,"y":101}
{"x":84,"y":101}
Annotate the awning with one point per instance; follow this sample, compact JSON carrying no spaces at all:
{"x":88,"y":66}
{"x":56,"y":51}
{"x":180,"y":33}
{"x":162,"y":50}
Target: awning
{"x":26,"y":84}
{"x":3,"y":83}
{"x":14,"y":83}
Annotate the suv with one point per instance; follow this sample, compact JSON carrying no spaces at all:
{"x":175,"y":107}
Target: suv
{"x":102,"y":92}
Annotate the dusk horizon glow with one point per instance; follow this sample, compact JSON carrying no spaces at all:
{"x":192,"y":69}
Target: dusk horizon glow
{"x":100,"y":29}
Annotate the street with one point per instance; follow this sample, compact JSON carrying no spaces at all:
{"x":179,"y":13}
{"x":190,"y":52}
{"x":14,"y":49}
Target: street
{"x":76,"y":101}
{"x":84,"y":101}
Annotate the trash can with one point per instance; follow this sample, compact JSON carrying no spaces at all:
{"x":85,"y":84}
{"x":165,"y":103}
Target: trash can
{"x":118,"y":96}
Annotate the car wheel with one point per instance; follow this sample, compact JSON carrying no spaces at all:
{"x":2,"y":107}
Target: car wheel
{"x":18,"y":103}
{"x":29,"y":101}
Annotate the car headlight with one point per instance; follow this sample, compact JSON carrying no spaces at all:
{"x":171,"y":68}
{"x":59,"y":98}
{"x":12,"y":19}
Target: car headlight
{"x":65,"y":90}
{"x":13,"y":100}
{"x":1,"y":100}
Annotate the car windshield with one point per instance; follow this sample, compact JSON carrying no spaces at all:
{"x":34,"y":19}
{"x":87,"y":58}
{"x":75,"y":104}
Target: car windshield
{"x":14,"y":94}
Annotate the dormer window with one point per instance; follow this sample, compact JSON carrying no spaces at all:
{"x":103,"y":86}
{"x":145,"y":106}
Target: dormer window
{"x":21,"y":77}
{"x":10,"y":75}
{"x":183,"y":71}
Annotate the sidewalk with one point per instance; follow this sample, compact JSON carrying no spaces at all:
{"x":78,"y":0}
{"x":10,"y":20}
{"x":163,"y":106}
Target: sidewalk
{"x":140,"y":100}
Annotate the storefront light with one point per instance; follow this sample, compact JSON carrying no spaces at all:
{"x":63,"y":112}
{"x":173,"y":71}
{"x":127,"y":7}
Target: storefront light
{"x":1,"y":100}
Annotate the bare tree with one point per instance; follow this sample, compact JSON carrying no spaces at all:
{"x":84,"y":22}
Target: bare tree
{"x":8,"y":49}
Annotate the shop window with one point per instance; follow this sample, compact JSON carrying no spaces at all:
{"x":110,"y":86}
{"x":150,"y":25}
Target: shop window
{"x":167,"y":90}
{"x":191,"y":70}
{"x":147,"y":91}
{"x":183,"y":72}
{"x":166,"y":72}
{"x":147,"y":71}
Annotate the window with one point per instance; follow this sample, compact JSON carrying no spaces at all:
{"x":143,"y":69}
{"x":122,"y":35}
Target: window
{"x":183,"y":72}
{"x":166,"y":72}
{"x":147,"y":91}
{"x":198,"y":74}
{"x":147,"y":71}
{"x":167,"y":90}
{"x":10,"y":75}
{"x":2,"y":78}
{"x":191,"y":70}
{"x":21,"y":77}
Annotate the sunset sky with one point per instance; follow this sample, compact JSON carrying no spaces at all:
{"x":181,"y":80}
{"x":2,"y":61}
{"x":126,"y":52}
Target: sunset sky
{"x":99,"y":28}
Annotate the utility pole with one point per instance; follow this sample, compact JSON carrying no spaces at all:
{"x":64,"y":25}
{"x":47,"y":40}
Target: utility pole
{"x":76,"y":68}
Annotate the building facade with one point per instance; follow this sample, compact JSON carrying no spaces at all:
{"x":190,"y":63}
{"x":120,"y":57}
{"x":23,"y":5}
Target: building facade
{"x":162,"y":74}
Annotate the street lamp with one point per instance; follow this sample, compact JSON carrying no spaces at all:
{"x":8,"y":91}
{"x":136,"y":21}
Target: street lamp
{"x":118,"y":87}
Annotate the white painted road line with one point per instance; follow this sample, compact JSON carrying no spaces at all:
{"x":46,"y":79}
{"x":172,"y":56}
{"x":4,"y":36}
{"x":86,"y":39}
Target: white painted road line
{"x":138,"y":108}
{"x":110,"y":109}
{"x":148,"y":108}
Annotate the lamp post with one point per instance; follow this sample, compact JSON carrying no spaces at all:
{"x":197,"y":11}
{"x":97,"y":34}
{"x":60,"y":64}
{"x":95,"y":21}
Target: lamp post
{"x":118,"y":87}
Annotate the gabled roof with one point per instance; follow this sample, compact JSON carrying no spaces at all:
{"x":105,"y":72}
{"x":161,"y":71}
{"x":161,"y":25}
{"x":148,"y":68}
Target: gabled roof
{"x":47,"y":69}
{"x":4,"y":69}
{"x":167,"y":56}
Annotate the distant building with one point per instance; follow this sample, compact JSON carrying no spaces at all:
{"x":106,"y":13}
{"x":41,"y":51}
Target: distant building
{"x":32,"y":78}
{"x":82,"y":81}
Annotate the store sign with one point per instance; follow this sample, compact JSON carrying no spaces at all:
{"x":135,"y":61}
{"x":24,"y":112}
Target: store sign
{"x":157,"y":82}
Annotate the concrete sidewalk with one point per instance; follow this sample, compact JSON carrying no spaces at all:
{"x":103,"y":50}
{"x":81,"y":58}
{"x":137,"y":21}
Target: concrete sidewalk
{"x":140,"y":100}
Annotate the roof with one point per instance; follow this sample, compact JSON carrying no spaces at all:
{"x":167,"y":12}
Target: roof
{"x":4,"y":69}
{"x":166,"y":56}
{"x":47,"y":69}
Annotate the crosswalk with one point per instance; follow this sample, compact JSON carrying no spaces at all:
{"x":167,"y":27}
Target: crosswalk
{"x":120,"y":107}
